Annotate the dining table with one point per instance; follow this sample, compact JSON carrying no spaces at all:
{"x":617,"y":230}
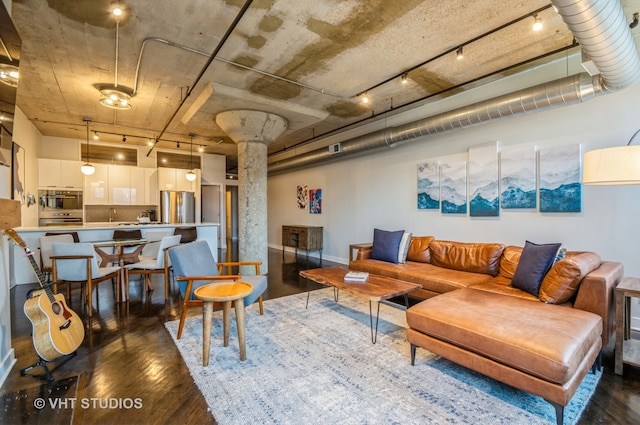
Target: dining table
{"x":120,"y":256}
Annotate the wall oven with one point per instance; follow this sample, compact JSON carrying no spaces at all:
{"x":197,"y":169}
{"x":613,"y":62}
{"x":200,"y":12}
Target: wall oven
{"x":60,"y":207}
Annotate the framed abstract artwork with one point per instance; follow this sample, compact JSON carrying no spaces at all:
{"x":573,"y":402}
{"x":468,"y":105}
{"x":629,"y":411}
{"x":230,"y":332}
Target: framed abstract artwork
{"x":302,"y":196}
{"x":560,"y":185}
{"x":429,"y":186}
{"x":483,"y":180}
{"x":518,"y":178}
{"x":315,"y":201}
{"x":453,"y":188}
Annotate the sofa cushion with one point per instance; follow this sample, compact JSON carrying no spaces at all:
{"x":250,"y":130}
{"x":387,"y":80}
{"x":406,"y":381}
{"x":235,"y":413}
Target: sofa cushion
{"x":534,"y":264}
{"x":419,"y":249}
{"x":509,"y":261}
{"x":511,"y":330}
{"x":561,"y":282}
{"x":386,"y":245}
{"x":403,"y":249}
{"x":469,"y":257}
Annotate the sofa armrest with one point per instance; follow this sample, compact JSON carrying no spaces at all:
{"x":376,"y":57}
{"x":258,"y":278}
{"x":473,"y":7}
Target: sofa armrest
{"x":596,"y":294}
{"x":363,"y":254}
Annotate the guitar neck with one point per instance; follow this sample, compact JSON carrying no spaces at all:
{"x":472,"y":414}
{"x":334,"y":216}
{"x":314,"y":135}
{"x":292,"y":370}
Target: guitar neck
{"x":39,"y":274}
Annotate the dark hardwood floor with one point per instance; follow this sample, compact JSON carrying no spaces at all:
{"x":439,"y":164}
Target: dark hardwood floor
{"x":127,"y":354}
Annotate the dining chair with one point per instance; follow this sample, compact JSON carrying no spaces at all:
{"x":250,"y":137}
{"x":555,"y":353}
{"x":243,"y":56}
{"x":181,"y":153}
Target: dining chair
{"x":150,"y":249}
{"x":46,"y":251}
{"x":148,"y":266}
{"x":189,"y":234}
{"x":77,"y":263}
{"x":194,"y":266}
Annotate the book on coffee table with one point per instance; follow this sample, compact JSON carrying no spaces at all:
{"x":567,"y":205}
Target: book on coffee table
{"x":353,"y":276}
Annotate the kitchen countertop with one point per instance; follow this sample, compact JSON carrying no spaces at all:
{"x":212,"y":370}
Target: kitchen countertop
{"x":112,"y":225}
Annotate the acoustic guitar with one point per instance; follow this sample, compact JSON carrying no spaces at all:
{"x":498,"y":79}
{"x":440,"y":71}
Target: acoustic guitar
{"x":57,"y":330}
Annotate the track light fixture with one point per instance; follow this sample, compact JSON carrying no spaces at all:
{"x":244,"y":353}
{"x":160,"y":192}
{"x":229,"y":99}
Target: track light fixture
{"x":365,"y":98}
{"x":124,"y":138}
{"x":537,"y":22}
{"x":634,"y":23}
{"x":96,"y":136}
{"x":178,"y":145}
{"x":201,"y":149}
{"x":404,"y":78}
{"x":459,"y":53}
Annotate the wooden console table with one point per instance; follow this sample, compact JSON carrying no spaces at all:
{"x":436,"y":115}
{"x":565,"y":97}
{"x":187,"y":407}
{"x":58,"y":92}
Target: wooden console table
{"x":627,"y":349}
{"x":308,"y":238}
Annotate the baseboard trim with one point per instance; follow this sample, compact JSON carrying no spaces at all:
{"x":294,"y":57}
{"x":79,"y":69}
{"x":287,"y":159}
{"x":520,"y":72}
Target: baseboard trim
{"x":7,"y":364}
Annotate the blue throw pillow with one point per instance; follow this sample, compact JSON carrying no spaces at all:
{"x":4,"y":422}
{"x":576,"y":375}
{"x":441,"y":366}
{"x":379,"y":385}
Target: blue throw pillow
{"x":535,"y":262}
{"x":386,"y":245}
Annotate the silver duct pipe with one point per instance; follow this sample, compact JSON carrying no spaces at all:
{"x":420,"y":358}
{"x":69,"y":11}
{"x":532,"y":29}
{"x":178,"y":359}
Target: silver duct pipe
{"x":602,"y":31}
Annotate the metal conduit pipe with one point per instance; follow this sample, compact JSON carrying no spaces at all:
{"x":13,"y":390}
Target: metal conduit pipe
{"x":602,"y":31}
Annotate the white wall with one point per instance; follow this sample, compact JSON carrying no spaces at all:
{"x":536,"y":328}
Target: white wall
{"x":379,"y":190}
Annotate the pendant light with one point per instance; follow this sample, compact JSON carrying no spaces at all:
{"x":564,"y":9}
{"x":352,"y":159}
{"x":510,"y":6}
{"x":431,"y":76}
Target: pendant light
{"x":191,"y":175}
{"x":87,"y":169}
{"x":113,"y":95}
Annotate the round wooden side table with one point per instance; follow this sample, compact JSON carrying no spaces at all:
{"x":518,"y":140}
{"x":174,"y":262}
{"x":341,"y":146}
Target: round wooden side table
{"x":223,"y":293}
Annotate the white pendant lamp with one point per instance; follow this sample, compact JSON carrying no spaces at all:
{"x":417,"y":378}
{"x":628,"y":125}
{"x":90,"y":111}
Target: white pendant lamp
{"x":87,"y":169}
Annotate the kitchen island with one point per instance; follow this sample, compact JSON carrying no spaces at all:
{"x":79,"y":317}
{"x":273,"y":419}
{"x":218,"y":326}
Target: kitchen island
{"x":20,"y":269}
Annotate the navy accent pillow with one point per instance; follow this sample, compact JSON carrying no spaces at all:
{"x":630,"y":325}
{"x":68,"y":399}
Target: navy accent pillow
{"x":386,"y":245}
{"x":535,"y":262}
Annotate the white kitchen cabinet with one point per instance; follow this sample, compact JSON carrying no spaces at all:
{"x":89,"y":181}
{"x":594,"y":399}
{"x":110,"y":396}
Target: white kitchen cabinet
{"x":150,"y":186}
{"x":175,"y":179}
{"x":57,"y":173}
{"x":96,"y":189}
{"x":119,"y":185}
{"x":137,"y":184}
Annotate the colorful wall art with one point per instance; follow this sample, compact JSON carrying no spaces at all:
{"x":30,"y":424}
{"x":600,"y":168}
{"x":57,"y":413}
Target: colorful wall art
{"x":453,"y":189}
{"x":518,"y":178}
{"x":483,"y":180}
{"x":315,"y":201}
{"x":429,"y":186}
{"x":302,"y":196}
{"x":560,"y":186}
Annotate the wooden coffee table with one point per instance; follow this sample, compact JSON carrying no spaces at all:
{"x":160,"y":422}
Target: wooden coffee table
{"x":375,"y":288}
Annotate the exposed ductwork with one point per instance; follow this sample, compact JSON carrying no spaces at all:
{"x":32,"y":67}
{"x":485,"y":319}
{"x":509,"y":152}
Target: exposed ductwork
{"x":600,"y":28}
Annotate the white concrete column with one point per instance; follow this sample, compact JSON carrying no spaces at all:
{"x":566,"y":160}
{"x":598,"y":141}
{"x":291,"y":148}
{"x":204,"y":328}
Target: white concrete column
{"x":253,"y":131}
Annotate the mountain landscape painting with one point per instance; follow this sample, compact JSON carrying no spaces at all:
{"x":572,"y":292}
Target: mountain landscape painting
{"x":483,"y":180}
{"x":429,"y":186}
{"x":560,"y":186}
{"x":453,"y":188}
{"x":518,"y":178}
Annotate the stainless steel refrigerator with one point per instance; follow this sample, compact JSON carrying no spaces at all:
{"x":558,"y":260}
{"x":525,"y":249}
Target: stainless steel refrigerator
{"x":177,"y":207}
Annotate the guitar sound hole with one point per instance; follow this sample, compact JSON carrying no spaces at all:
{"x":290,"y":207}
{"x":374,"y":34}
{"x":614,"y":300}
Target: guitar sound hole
{"x":55,"y":307}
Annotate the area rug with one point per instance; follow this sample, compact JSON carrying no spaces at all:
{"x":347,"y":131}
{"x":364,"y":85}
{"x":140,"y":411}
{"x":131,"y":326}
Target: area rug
{"x":318,"y":366}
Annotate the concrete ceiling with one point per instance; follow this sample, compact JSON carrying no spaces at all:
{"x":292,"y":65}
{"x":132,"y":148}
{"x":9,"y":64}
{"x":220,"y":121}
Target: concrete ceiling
{"x":306,"y":60}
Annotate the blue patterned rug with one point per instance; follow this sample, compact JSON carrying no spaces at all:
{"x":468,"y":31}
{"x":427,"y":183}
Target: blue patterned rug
{"x":318,"y":366}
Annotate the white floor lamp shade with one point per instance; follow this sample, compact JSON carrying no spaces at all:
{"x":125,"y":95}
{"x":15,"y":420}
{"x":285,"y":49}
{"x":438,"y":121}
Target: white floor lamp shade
{"x":612,"y":166}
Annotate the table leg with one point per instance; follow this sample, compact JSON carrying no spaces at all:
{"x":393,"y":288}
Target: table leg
{"x":207,"y":318}
{"x":226,"y":321}
{"x":620,"y":332}
{"x":239,"y":304}
{"x":374,"y":336}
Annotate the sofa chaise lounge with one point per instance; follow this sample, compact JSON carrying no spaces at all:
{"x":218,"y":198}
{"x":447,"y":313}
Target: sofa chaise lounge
{"x":542,"y":343}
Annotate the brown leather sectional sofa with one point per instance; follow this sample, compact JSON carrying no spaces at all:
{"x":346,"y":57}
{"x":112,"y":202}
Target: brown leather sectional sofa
{"x":471,"y":315}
